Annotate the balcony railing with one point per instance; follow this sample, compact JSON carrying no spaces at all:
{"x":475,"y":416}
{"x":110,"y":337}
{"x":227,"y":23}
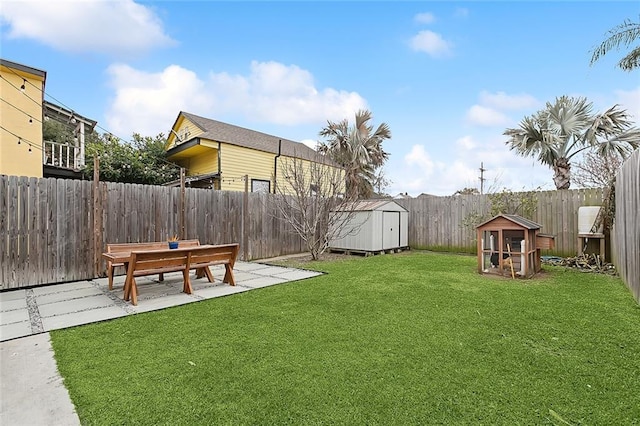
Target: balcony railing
{"x":62,"y":155}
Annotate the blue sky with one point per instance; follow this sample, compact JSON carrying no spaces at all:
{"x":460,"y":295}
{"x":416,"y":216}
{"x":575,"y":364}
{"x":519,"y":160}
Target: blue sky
{"x":447,"y":77}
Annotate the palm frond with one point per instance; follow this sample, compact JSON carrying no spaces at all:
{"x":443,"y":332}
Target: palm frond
{"x":631,"y":61}
{"x":621,"y":35}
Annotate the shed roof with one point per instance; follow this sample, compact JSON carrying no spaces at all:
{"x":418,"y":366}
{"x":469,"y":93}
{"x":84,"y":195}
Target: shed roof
{"x":368,"y":205}
{"x":223,"y":132}
{"x":518,"y":220}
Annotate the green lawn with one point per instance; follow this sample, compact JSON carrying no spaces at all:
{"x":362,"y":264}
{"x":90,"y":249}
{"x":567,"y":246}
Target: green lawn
{"x":411,"y":338}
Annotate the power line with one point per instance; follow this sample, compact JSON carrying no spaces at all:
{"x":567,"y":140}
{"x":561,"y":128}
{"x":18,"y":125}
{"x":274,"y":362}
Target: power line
{"x":69,"y":108}
{"x":21,"y":139}
{"x":20,"y":90}
{"x":48,"y":95}
{"x":31,"y":117}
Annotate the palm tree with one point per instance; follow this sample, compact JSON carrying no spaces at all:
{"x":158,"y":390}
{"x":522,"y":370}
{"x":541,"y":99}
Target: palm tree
{"x":567,"y":127}
{"x":358,"y":150}
{"x":623,"y":34}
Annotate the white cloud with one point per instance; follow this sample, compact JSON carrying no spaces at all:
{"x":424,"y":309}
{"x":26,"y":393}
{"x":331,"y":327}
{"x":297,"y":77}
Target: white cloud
{"x":425,"y":18}
{"x":120,"y":27}
{"x":148,"y":103}
{"x":461,"y":12}
{"x":421,"y":172}
{"x":630,"y":100}
{"x":310,"y":143}
{"x":490,"y":110}
{"x":418,"y":156}
{"x":466,"y":143}
{"x":485,"y":116}
{"x":431,"y":43}
{"x":503,"y":101}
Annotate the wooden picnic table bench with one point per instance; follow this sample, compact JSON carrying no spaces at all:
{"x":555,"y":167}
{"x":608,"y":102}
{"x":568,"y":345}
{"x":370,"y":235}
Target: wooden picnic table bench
{"x":151,"y":262}
{"x":117,"y":250}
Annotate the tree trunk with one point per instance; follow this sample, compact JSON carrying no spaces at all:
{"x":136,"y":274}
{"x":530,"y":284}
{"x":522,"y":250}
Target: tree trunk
{"x":562,"y":173}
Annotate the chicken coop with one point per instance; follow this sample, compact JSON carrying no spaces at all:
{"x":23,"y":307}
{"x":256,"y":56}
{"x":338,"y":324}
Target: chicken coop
{"x":371,"y":226}
{"x":510,"y":245}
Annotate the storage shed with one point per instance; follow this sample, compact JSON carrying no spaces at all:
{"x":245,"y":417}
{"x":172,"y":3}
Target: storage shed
{"x":372,"y":226}
{"x":510,"y":245}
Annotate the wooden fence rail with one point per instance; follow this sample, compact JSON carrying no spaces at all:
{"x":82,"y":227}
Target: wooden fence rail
{"x":439,"y":222}
{"x":627,"y":223}
{"x":53,"y":230}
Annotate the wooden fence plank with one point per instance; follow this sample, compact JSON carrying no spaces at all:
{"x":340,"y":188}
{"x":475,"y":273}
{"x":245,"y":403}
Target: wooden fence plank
{"x":57,"y":222}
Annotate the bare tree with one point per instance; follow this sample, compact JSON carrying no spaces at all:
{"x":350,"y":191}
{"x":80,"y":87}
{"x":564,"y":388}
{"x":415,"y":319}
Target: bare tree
{"x":306,"y":196}
{"x":596,"y":171}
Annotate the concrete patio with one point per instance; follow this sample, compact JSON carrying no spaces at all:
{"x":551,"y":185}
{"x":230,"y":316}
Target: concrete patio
{"x":33,"y":392}
{"x":25,"y":312}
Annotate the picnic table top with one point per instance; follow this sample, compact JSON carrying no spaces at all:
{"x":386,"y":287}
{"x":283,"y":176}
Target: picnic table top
{"x":124,"y":256}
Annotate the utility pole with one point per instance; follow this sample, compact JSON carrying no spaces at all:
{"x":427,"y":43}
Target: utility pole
{"x":482,"y":179}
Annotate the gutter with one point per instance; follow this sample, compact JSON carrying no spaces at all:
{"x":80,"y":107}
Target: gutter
{"x":219,"y":166}
{"x":275,"y":166}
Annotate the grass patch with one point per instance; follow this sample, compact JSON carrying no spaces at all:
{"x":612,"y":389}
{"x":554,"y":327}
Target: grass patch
{"x":412,"y":338}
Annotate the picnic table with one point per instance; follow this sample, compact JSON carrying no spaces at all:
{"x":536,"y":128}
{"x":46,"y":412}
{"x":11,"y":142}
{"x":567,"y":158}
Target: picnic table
{"x":139,"y":262}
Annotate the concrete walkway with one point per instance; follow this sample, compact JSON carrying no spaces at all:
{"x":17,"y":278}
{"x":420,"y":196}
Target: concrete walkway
{"x":31,"y":389}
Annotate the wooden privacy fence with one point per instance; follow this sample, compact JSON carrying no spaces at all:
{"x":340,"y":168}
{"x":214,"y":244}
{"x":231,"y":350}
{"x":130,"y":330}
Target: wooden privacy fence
{"x":54,"y":230}
{"x":439,"y":222}
{"x":627,"y":223}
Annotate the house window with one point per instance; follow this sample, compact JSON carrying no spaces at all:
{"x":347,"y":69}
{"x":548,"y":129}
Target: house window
{"x":262,"y":186}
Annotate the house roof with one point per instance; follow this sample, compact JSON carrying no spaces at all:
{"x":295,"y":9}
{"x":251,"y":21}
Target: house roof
{"x":23,"y":68}
{"x":518,"y":220}
{"x":66,"y":115}
{"x":222,"y":132}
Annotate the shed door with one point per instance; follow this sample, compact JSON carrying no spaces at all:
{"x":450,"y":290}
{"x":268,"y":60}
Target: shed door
{"x":390,"y":230}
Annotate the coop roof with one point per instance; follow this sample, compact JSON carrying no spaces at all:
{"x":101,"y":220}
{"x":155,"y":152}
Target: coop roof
{"x":518,"y":220}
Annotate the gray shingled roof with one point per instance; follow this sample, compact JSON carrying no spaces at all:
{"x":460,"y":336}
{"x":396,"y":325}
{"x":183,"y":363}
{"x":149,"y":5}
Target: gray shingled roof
{"x":235,"y":135}
{"x":519,"y":220}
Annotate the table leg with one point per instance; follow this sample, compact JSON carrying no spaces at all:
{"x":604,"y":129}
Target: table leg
{"x":228,"y":275}
{"x":187,"y":283}
{"x":127,"y":284}
{"x":134,"y":292}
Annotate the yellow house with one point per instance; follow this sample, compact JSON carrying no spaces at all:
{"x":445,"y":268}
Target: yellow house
{"x":22,"y":94}
{"x":23,"y":111}
{"x":218,"y":155}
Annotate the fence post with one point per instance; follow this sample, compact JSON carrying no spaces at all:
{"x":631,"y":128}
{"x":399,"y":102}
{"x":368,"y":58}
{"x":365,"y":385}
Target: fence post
{"x":245,"y":220}
{"x":182,"y":203}
{"x":97,"y":218}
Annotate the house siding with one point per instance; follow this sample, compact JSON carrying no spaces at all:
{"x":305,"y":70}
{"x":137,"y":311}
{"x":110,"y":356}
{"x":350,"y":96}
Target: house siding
{"x":238,"y":161}
{"x":203,"y":163}
{"x":15,"y":159}
{"x":285,"y":164}
{"x":183,"y":125}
